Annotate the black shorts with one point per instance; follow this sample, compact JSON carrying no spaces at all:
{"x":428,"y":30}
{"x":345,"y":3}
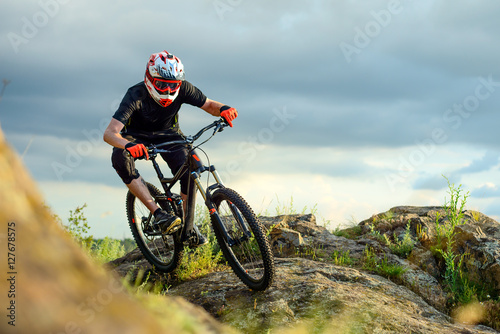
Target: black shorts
{"x":125,"y":167}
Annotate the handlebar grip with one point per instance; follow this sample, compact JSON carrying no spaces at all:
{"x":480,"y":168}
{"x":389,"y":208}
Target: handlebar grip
{"x":223,"y":122}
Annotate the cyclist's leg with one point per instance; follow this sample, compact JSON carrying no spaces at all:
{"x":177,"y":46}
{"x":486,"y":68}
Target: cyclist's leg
{"x":139,"y":189}
{"x":125,"y":167}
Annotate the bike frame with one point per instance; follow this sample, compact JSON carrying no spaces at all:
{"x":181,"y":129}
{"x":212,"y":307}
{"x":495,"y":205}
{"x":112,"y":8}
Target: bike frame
{"x":195,"y":168}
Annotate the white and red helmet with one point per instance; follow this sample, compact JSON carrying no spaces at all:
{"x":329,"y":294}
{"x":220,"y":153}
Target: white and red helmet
{"x":164,"y":76}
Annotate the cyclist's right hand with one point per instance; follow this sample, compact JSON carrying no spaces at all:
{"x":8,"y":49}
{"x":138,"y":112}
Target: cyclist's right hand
{"x":137,"y":150}
{"x":229,"y":114}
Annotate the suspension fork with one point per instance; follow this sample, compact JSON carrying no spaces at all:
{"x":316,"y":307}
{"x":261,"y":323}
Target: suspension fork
{"x":208,"y":201}
{"x":213,"y":212}
{"x":190,"y":210}
{"x":235,"y":212}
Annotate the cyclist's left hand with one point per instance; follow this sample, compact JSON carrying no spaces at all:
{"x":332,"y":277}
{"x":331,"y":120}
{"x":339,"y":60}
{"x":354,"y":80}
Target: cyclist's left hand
{"x":137,"y":150}
{"x":229,"y":115}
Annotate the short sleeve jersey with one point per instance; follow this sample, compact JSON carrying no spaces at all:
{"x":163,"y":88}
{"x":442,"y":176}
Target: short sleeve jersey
{"x":143,"y":116}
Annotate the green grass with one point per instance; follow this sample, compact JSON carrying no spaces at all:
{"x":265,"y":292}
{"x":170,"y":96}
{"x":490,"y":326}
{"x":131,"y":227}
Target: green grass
{"x":455,"y":280}
{"x":348,"y":233}
{"x":107,"y":250}
{"x":350,"y":230}
{"x":203,"y":260}
{"x":312,"y":253}
{"x":381,"y":266}
{"x":376,"y":234}
{"x":341,"y":258}
{"x":401,"y":247}
{"x":199,"y":262}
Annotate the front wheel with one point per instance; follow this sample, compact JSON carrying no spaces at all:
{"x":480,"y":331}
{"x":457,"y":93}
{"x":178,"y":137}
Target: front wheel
{"x":244,"y":245}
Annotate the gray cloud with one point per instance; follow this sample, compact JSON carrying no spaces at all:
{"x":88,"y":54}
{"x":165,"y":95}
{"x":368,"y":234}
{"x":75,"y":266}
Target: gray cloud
{"x":487,"y":191}
{"x":435,"y":181}
{"x":487,"y":162}
{"x":259,"y":56}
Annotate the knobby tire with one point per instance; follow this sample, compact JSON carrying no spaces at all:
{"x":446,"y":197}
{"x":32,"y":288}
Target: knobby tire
{"x":251,"y":260}
{"x":163,"y":252}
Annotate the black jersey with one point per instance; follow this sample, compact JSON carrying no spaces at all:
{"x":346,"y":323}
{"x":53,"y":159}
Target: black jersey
{"x":143,"y":117}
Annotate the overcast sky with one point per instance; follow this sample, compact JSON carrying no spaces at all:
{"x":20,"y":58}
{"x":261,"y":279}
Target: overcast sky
{"x":351,"y":107}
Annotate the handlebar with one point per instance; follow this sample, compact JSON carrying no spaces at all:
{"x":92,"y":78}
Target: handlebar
{"x":219,"y":125}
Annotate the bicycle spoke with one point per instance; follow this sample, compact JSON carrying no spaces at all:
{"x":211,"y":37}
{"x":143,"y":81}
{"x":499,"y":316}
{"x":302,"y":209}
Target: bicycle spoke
{"x":162,"y":251}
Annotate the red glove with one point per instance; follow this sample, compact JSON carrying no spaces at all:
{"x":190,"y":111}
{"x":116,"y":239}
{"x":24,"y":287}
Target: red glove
{"x":137,"y":150}
{"x":229,"y":114}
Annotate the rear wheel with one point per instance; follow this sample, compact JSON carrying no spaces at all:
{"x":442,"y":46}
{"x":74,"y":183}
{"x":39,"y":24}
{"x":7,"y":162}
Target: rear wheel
{"x":164,"y":252}
{"x":247,"y":249}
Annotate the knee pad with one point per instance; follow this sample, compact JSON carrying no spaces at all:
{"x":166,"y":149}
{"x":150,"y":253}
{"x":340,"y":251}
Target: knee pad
{"x":124,"y":165}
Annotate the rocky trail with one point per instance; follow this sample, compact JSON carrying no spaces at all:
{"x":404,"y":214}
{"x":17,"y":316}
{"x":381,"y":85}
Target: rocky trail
{"x":323,"y":279}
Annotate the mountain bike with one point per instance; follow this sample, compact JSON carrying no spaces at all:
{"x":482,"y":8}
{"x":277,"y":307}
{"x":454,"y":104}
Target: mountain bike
{"x":239,"y":233}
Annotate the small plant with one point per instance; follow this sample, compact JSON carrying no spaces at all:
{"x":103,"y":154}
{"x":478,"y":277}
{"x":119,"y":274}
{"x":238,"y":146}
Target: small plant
{"x":381,"y":267}
{"x":455,"y":280}
{"x":306,"y":252}
{"x":476,"y":215}
{"x":402,"y":247}
{"x":388,"y":215}
{"x":390,"y":270}
{"x":370,"y":259}
{"x":284,"y":208}
{"x":341,"y":258}
{"x":422,"y":233}
{"x":455,"y":207}
{"x":349,"y":233}
{"x":376,"y":234}
{"x":313,"y":210}
{"x":78,"y":227}
{"x":141,"y":284}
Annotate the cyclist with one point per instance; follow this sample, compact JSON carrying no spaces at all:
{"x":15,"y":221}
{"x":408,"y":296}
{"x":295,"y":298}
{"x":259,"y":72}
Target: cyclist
{"x":148,"y":114}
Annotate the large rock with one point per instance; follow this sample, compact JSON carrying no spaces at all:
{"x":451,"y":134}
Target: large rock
{"x":316,"y":292}
{"x":477,"y":239}
{"x":53,"y":287}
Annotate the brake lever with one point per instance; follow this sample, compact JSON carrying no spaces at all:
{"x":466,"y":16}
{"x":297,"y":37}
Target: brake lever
{"x":222,"y":124}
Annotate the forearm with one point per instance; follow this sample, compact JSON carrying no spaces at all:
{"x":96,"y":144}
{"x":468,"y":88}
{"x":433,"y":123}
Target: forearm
{"x":115,"y":139}
{"x":112,"y":134}
{"x":212,"y":107}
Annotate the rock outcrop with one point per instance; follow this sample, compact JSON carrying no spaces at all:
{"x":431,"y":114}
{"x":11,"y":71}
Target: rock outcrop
{"x":311,"y":290}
